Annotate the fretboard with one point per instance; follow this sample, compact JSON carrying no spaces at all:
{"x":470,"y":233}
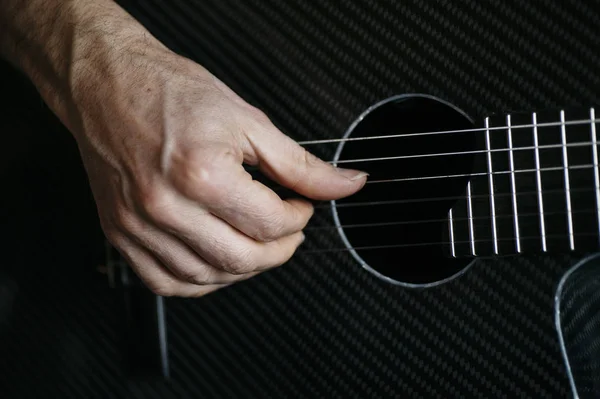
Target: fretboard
{"x":534,"y":187}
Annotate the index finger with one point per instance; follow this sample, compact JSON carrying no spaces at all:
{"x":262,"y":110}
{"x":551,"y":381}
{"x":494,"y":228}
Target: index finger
{"x":228,"y":191}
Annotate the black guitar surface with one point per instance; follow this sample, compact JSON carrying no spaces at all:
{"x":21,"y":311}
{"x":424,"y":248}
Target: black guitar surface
{"x":321,"y":326}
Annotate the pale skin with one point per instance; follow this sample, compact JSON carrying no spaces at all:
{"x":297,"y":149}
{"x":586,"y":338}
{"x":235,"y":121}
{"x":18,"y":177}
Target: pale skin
{"x":163,"y":142}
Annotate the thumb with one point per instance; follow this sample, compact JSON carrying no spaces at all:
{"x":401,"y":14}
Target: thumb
{"x":289,"y":164}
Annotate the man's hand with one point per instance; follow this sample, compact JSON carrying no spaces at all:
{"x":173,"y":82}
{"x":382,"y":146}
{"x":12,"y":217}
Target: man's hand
{"x":164,"y":142}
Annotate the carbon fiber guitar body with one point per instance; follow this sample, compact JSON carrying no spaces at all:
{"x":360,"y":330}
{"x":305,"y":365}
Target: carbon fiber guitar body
{"x":321,"y":326}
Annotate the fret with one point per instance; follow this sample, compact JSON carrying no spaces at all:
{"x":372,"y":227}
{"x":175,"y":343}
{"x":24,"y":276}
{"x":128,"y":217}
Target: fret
{"x":451,"y":233}
{"x":582,"y":186}
{"x":490,"y":171}
{"x":553,"y":182}
{"x":572,"y":214}
{"x":513,"y":185}
{"x":595,"y":162}
{"x":532,"y":188}
{"x":503,"y":207}
{"x":522,"y":144}
{"x":459,"y":225}
{"x":471,"y":222}
{"x":518,"y":183}
{"x":539,"y":182}
{"x":477,"y":203}
{"x":567,"y":180}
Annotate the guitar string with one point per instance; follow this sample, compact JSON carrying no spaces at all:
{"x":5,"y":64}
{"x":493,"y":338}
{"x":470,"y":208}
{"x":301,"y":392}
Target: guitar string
{"x":537,"y":125}
{"x":434,"y":243}
{"x":442,"y":132}
{"x":327,"y":204}
{"x":469,"y":152}
{"x":419,"y":156}
{"x":444,"y":154}
{"x":277,"y":187}
{"x":455,"y":219}
{"x":501,"y":172}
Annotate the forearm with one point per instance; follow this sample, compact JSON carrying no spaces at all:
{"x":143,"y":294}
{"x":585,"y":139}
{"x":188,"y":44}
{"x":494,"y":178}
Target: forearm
{"x":64,"y":45}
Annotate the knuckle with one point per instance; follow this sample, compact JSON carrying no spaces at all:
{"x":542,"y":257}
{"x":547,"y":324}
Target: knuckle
{"x":196,"y":175}
{"x":155,"y":204}
{"x":237,"y":262}
{"x":260,"y":116}
{"x":203,"y":276}
{"x":123,"y":218}
{"x":271,"y":228}
{"x":309,"y":159}
{"x":304,"y":162}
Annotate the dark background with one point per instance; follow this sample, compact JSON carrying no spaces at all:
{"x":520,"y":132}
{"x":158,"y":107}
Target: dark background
{"x":320,"y":326}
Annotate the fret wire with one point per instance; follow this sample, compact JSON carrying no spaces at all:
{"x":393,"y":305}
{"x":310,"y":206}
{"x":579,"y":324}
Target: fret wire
{"x":491,"y":184}
{"x":401,"y":135}
{"x":595,"y":155}
{"x":451,"y":232}
{"x":471,"y":224}
{"x":563,"y":131}
{"x":539,"y":183}
{"x":513,"y":187}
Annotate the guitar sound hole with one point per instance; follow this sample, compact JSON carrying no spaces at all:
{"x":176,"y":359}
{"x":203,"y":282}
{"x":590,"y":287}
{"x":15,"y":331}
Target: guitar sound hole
{"x":398,"y":230}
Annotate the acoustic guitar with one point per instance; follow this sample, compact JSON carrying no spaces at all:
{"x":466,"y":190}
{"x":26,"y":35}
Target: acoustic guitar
{"x":509,"y":185}
{"x":466,"y":267}
{"x":446,"y":189}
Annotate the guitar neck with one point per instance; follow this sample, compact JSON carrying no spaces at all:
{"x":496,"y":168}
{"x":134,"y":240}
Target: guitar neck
{"x":534,"y":187}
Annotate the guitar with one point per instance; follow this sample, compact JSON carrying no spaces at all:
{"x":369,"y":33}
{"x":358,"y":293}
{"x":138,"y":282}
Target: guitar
{"x":392,"y":293}
{"x":513,"y":184}
{"x":522,"y":183}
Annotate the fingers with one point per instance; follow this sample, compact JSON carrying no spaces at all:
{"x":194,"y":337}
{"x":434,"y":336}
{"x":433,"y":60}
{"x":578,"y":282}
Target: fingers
{"x":227,"y":248}
{"x":292,"y":166}
{"x":154,"y":274}
{"x":181,"y":260}
{"x":260,"y":213}
{"x":222,"y":186}
{"x":214,"y":240}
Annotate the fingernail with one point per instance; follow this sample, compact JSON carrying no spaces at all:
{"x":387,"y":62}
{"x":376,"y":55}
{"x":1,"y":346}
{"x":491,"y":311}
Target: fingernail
{"x":351,"y":174}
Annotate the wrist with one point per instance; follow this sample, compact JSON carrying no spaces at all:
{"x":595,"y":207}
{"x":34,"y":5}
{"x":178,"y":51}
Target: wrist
{"x":68,"y":47}
{"x":106,"y":58}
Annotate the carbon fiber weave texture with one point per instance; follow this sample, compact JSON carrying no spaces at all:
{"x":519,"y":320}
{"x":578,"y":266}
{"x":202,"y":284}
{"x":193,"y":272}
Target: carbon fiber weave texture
{"x":579,"y":320}
{"x":321,"y":326}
